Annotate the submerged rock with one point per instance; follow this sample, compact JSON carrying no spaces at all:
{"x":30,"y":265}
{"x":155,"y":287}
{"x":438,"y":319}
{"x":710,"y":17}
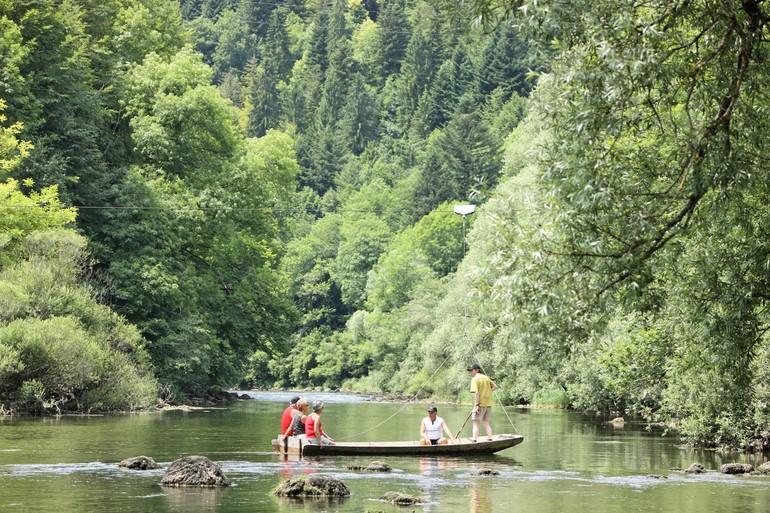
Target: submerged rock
{"x":736,"y":468}
{"x":487,"y":472}
{"x":314,"y":486}
{"x":194,"y":471}
{"x":378,"y":466}
{"x":375,"y":466}
{"x":139,"y":463}
{"x":400,"y":499}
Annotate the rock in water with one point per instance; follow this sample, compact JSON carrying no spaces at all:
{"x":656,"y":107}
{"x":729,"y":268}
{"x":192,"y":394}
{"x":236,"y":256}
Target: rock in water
{"x":194,"y":471}
{"x":314,"y":486}
{"x":695,"y":468}
{"x":139,"y":463}
{"x":378,"y":466}
{"x":400,"y":499}
{"x":736,"y":468}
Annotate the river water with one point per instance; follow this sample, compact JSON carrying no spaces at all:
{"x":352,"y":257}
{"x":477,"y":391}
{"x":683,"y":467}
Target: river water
{"x":567,"y":463}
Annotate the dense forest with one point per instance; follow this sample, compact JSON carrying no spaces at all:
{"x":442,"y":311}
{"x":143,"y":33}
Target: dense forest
{"x":203,"y":194}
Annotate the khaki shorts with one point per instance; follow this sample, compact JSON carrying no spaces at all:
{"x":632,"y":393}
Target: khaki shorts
{"x":484,"y":413}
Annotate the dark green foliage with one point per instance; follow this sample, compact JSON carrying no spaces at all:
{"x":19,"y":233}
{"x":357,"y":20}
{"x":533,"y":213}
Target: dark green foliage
{"x":265,"y":103}
{"x":394,"y":35}
{"x":506,"y":62}
{"x":359,"y":122}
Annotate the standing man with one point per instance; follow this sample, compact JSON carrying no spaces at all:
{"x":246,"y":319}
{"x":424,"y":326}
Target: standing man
{"x":481,"y":388}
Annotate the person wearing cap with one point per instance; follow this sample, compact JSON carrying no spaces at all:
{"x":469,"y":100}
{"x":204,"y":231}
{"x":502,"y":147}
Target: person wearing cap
{"x":481,"y":388}
{"x":299,"y":418}
{"x":313,"y":430}
{"x":288,"y":415}
{"x":431,"y":427}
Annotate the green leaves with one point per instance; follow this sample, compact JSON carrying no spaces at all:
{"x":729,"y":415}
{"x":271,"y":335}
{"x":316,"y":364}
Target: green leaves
{"x":59,"y":349}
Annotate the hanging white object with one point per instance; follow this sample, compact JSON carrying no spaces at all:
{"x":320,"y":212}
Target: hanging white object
{"x":464,"y":210}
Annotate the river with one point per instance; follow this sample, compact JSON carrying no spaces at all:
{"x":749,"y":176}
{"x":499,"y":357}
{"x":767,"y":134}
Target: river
{"x":567,"y":463}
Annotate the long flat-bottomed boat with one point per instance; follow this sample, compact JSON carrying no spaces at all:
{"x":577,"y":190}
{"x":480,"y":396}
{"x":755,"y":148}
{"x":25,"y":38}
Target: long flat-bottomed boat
{"x":299,"y":446}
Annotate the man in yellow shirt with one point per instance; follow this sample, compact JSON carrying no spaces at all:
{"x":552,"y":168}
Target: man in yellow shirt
{"x":481,"y":388}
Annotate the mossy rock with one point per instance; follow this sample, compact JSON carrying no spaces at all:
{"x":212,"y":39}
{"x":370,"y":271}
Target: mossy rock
{"x":139,"y":463}
{"x":313,"y":486}
{"x":195,"y":471}
{"x":400,"y":499}
{"x":695,"y":468}
{"x":487,"y":472}
{"x":736,"y":468}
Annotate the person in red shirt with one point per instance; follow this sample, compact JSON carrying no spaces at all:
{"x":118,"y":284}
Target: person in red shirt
{"x":288,"y":415}
{"x":315,"y":434}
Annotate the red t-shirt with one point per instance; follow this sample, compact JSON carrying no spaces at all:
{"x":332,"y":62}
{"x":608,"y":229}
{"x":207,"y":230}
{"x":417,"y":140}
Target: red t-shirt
{"x":310,"y":425}
{"x":286,"y":419}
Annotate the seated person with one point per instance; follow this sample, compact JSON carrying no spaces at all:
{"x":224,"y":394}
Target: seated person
{"x":315,"y":434}
{"x":297,"y":427}
{"x":288,"y":415}
{"x":431,"y":427}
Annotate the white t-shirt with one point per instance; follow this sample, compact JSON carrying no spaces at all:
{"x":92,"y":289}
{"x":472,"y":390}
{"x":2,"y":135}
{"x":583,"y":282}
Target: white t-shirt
{"x":433,"y":429}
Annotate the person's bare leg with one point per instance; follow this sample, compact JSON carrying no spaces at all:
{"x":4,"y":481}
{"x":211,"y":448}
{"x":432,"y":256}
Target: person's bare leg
{"x":475,"y":429}
{"x":488,"y":427}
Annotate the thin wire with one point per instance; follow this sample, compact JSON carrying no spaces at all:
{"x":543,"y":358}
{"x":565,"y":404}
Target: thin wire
{"x":228,"y":209}
{"x":404,"y":405}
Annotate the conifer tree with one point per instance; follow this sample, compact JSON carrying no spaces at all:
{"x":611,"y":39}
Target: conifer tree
{"x":360,"y":117}
{"x":394,"y":35}
{"x":505,"y":62}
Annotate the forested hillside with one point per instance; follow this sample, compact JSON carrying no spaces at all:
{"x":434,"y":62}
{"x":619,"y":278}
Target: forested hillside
{"x":209,"y":193}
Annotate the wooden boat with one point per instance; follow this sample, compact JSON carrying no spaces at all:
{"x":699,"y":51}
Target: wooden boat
{"x":298,"y":446}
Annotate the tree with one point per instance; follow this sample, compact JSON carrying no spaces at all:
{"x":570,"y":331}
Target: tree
{"x":363,"y":239}
{"x":506,"y":63}
{"x":234,"y":43}
{"x":359,"y":121}
{"x":460,"y":162}
{"x":194,"y":265}
{"x":394,"y":30}
{"x":265,"y":103}
{"x":418,"y":70}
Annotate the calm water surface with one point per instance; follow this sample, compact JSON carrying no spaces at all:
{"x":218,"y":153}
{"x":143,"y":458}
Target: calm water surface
{"x":567,"y":463}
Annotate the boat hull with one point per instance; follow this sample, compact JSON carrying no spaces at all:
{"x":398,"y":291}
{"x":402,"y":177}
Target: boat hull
{"x":297,"y":446}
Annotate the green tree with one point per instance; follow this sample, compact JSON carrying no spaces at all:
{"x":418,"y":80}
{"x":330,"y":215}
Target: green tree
{"x":394,"y":31}
{"x":264,"y":99}
{"x":234,"y":43}
{"x":506,"y":62}
{"x":194,"y":266}
{"x":363,"y":239}
{"x":359,"y":123}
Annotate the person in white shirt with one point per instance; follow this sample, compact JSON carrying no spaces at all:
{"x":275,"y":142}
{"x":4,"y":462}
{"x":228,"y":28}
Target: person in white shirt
{"x":431,"y":429}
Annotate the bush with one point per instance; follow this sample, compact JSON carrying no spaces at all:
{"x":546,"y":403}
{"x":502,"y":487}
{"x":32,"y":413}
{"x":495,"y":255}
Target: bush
{"x":59,"y":348}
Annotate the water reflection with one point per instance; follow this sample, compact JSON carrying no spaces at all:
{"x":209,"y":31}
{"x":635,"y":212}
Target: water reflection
{"x":186,"y":499}
{"x":314,"y":504}
{"x":480,"y":501}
